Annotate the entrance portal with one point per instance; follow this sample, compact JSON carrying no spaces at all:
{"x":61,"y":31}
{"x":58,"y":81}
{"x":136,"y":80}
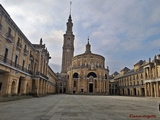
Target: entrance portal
{"x":91,"y":87}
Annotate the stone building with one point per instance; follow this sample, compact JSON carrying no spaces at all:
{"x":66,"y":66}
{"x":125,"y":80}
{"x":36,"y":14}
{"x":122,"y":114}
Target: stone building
{"x":23,"y":66}
{"x":87,"y":74}
{"x":152,"y":77}
{"x":143,"y":80}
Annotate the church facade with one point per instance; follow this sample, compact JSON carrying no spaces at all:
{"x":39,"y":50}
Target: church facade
{"x":87,"y":74}
{"x":84,"y":73}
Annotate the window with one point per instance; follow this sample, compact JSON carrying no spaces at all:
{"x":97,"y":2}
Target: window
{"x":141,"y":76}
{"x":29,"y":67}
{"x":0,"y":27}
{"x":137,"y":82}
{"x":0,"y":86}
{"x":16,"y":58}
{"x":68,"y":41}
{"x":130,"y":83}
{"x":18,"y":40}
{"x":5,"y":55}
{"x":23,"y":65}
{"x":9,"y":31}
{"x":25,"y":47}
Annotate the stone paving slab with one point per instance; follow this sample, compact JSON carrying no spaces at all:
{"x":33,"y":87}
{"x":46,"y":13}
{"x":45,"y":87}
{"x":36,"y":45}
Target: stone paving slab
{"x":80,"y":107}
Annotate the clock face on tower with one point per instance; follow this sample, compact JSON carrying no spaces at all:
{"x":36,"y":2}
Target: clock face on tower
{"x":68,"y":50}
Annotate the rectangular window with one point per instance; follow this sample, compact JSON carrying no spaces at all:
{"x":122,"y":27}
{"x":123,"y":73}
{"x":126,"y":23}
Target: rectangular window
{"x":9,"y":31}
{"x":0,"y":86}
{"x":18,"y":40}
{"x":16,"y":58}
{"x":137,"y":82}
{"x":142,"y":82}
{"x":130,"y":83}
{"x":23,"y":65}
{"x":5,"y":55}
{"x":0,"y":27}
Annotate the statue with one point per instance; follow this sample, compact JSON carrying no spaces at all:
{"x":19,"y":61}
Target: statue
{"x":92,"y":66}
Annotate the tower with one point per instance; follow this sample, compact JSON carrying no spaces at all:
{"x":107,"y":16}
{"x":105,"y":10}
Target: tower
{"x":68,"y":45}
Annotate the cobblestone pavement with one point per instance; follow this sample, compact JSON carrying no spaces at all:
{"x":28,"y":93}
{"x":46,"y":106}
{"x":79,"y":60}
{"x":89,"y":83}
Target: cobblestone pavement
{"x":80,"y":107}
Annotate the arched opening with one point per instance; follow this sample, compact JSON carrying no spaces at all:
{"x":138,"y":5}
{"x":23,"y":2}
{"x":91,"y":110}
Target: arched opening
{"x":92,"y":74}
{"x":13,"y":88}
{"x":75,"y":75}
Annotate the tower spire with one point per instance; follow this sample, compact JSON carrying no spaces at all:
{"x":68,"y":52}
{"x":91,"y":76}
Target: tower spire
{"x":88,"y":39}
{"x":88,"y":47}
{"x":70,"y":7}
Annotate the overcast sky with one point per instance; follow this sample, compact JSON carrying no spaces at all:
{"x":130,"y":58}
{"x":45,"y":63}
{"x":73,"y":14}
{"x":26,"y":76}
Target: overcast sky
{"x":123,"y":31}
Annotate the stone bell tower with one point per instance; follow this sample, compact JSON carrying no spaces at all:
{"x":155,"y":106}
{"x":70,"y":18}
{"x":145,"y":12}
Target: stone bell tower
{"x":68,"y":45}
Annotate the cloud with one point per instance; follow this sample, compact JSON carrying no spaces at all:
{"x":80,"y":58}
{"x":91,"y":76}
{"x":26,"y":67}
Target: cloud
{"x":118,"y":30}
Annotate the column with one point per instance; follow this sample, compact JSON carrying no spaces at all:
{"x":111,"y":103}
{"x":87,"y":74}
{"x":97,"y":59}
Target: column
{"x":154,"y":87}
{"x":58,"y":87}
{"x":77,"y":87}
{"x":111,"y":88}
{"x":151,"y":89}
{"x":156,"y":70}
{"x":103,"y":86}
{"x":41,"y":86}
{"x":100,"y":85}
{"x":145,"y":89}
{"x":62,"y":87}
{"x":87,"y":86}
{"x":157,"y":89}
{"x":114,"y":89}
{"x":150,"y":72}
{"x":97,"y":85}
{"x":39,"y":64}
{"x":93,"y":85}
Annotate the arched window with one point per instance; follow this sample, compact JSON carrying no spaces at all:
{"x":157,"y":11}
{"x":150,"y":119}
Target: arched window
{"x":75,"y":75}
{"x":92,"y":74}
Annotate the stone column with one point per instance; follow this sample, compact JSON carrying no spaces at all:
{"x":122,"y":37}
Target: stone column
{"x":77,"y":89}
{"x":157,"y":89}
{"x":111,"y":88}
{"x":93,"y":85}
{"x":151,"y":89}
{"x":150,"y":72}
{"x":62,"y":87}
{"x":114,"y":89}
{"x":103,"y":86}
{"x":156,"y":70}
{"x":155,"y":92}
{"x":41,"y":86}
{"x":145,"y":89}
{"x":100,"y":85}
{"x":97,"y":85}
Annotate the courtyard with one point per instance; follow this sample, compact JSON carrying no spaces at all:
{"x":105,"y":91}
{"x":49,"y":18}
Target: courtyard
{"x":81,"y":107}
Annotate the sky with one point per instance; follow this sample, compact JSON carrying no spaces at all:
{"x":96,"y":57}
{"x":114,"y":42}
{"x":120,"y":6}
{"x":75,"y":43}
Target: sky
{"x":123,"y":31}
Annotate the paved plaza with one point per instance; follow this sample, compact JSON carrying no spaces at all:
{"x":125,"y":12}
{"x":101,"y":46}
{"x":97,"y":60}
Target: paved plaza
{"x":81,"y":107}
